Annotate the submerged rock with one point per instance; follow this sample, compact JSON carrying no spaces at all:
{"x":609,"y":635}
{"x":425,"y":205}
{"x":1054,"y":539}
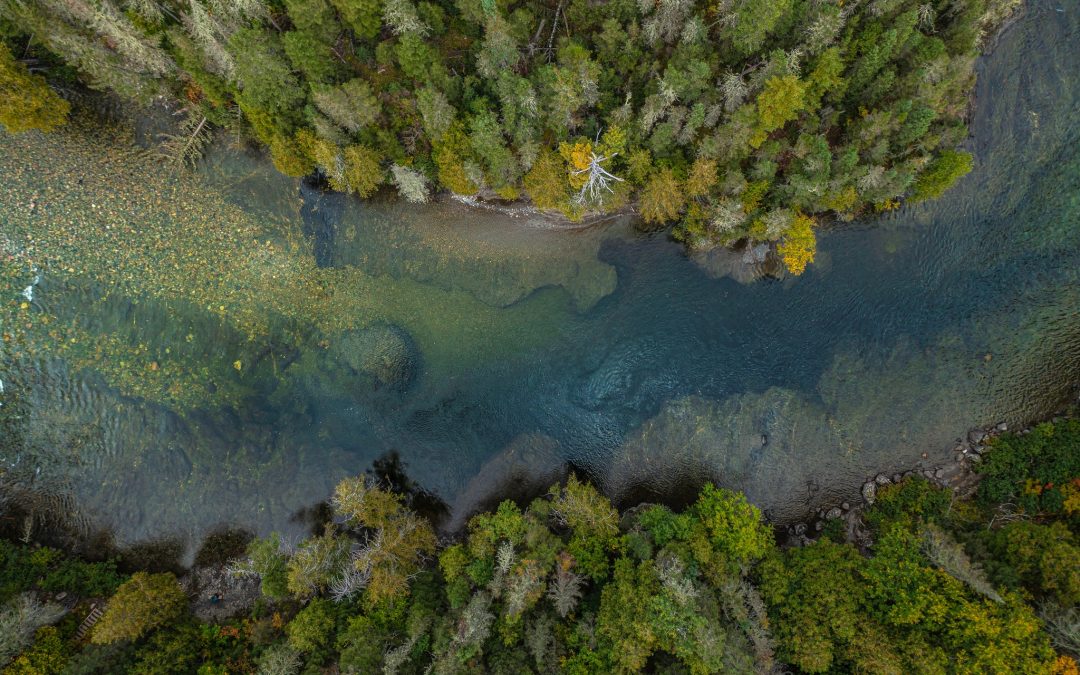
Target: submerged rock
{"x":694,"y":440}
{"x":385,"y":353}
{"x":525,"y":468}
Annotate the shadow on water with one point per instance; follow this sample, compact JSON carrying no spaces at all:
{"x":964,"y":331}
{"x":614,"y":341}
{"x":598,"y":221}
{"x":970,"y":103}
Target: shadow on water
{"x":468,"y":357}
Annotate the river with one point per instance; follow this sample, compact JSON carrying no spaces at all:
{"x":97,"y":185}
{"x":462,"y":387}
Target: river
{"x":187,"y":351}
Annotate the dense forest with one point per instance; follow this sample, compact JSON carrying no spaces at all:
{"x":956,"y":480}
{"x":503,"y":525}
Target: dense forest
{"x":737,"y":120}
{"x":934,"y":584}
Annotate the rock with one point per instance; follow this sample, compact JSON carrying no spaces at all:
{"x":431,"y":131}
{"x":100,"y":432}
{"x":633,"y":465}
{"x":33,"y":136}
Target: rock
{"x":940,"y":473}
{"x":975,"y":458}
{"x":799,"y":529}
{"x":846,"y":506}
{"x":834,"y":513}
{"x":819,"y":525}
{"x":869,"y":492}
{"x":897,"y":478}
{"x":882,"y":479}
{"x":959,"y":457}
{"x":976,"y":435}
{"x":980,"y":449}
{"x":1002,"y":427}
{"x":383,"y":352}
{"x":527,"y":466}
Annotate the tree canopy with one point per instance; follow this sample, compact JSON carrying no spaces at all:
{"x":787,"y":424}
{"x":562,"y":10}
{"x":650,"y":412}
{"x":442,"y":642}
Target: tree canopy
{"x":822,"y":108}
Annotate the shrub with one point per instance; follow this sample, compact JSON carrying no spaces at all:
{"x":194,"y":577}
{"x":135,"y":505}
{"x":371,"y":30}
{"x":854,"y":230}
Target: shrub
{"x":47,"y":656}
{"x":19,"y":619}
{"x":1038,"y":472}
{"x":940,"y":175}
{"x":141,"y":604}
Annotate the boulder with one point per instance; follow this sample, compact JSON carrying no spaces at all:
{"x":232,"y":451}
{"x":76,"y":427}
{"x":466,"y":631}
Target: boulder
{"x":869,"y":492}
{"x":382,"y":352}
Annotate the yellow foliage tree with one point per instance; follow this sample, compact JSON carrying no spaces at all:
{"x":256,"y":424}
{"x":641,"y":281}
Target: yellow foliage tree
{"x":662,"y":198}
{"x":778,"y":103}
{"x":26,"y":101}
{"x":362,"y":170}
{"x":397,"y":540}
{"x":288,"y":157}
{"x":702,"y":177}
{"x":578,"y":156}
{"x":799,"y":245}
{"x":546,"y":182}
{"x":140,"y":605}
{"x":449,"y":155}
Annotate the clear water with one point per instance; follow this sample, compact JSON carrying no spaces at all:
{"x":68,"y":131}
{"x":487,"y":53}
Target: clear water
{"x":505,"y":347}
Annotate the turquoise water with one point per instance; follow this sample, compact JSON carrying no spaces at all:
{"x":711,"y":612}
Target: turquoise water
{"x":488,"y":350}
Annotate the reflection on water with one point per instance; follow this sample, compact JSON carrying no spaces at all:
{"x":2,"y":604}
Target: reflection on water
{"x":270,"y":339}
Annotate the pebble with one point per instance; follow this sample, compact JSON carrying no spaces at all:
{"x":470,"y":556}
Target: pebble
{"x":1002,"y":427}
{"x":834,"y":513}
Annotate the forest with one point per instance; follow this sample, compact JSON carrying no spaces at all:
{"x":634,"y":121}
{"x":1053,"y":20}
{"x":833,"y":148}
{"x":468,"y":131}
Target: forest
{"x":567,"y":584}
{"x":732,"y":121}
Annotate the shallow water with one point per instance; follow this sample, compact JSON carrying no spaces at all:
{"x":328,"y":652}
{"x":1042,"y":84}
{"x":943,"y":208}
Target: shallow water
{"x":224,"y":349}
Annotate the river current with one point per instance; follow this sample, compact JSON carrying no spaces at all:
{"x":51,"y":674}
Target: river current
{"x":182,"y":352}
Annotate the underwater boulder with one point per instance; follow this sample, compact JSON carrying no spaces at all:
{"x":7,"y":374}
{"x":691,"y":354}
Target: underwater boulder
{"x":383,"y":352}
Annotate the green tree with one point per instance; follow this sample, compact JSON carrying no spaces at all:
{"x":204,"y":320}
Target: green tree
{"x":941,"y":174}
{"x":310,"y":55}
{"x":779,"y":103}
{"x":363,"y":16}
{"x":141,"y":604}
{"x":814,"y":595}
{"x":363,"y":170}
{"x":26,"y":101}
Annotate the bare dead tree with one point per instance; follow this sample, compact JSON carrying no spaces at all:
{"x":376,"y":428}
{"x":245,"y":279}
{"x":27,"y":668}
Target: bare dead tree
{"x":599,"y":179}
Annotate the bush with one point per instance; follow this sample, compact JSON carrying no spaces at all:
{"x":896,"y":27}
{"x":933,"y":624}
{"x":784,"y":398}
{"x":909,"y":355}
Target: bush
{"x":910,"y":503}
{"x":141,"y":604}
{"x":19,"y":619}
{"x":47,"y":656}
{"x":1038,"y":472}
{"x":949,"y":167}
{"x":1044,"y":559}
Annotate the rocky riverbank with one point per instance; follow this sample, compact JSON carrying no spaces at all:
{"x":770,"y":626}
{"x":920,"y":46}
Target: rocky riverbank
{"x":960,"y":476}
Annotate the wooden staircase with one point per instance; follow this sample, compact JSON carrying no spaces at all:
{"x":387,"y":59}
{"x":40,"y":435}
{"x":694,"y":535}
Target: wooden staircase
{"x":89,"y":621}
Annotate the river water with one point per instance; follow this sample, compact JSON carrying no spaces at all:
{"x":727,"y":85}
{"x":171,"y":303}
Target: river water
{"x":182,"y":352}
